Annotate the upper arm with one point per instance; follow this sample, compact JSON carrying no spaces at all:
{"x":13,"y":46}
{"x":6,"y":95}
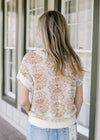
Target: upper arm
{"x":79,"y":93}
{"x":25,"y":79}
{"x":23,"y":94}
{"x":24,"y":75}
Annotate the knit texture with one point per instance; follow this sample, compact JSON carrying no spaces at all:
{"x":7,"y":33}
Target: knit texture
{"x":52,"y":97}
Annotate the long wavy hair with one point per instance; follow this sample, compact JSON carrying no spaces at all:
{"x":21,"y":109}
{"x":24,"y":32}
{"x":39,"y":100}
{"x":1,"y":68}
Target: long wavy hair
{"x":53,"y":31}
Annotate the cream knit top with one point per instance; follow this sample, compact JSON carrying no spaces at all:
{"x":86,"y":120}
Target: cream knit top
{"x":52,"y":97}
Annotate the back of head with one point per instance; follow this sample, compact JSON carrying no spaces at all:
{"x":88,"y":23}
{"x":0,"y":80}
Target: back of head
{"x":53,"y":31}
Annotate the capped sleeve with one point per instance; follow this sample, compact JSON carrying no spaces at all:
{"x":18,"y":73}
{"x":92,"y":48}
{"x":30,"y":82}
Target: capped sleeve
{"x":79,"y":79}
{"x":23,"y":74}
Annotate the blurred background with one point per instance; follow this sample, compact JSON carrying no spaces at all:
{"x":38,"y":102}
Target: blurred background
{"x":18,"y":35}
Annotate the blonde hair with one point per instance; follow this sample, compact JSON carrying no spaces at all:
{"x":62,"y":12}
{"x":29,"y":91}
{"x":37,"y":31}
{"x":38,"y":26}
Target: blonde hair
{"x":53,"y":30}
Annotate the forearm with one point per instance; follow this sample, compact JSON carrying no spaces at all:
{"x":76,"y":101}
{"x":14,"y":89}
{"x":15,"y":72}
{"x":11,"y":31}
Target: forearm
{"x":78,"y":106}
{"x":26,"y":107}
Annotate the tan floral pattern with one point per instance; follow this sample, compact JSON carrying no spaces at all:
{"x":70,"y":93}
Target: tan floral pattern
{"x":52,"y":96}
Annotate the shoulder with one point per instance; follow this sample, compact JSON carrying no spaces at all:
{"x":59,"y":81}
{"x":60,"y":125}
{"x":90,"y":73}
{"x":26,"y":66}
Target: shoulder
{"x":34,"y":52}
{"x":29,"y":56}
{"x":33,"y":57}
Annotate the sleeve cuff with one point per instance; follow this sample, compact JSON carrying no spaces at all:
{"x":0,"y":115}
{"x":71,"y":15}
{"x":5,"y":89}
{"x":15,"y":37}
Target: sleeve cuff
{"x":24,"y":81}
{"x":79,"y":83}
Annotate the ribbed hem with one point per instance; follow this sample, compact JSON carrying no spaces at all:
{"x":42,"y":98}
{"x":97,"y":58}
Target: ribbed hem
{"x":50,"y":124}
